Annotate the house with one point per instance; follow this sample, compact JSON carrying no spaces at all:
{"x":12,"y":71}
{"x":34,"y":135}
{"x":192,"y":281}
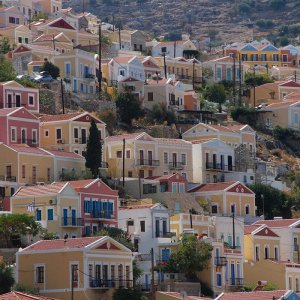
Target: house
{"x":135,"y":86}
{"x":20,"y":34}
{"x":225,"y":68}
{"x":89,"y":267}
{"x":133,"y":40}
{"x":226,"y":198}
{"x":174,"y":49}
{"x":263,"y":295}
{"x":283,"y":114}
{"x":122,"y":67}
{"x":99,"y":205}
{"x":151,"y":67}
{"x":147,"y":156}
{"x":10,"y":16}
{"x":55,"y":206}
{"x":289,"y":233}
{"x":78,"y":68}
{"x":182,"y":68}
{"x":23,"y":296}
{"x":13,"y":94}
{"x":69,"y":132}
{"x":19,"y":126}
{"x":176,"y":296}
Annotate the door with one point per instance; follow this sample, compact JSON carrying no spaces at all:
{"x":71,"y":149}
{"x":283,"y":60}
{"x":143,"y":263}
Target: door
{"x":214,"y":161}
{"x":150,"y":157}
{"x":222,"y":162}
{"x":74,"y":217}
{"x":157,"y":228}
{"x":232,"y":272}
{"x":18,"y":100}
{"x":141,"y":157}
{"x":75,"y":85}
{"x":217,"y":256}
{"x":165,"y":254}
{"x":9,"y":100}
{"x":147,"y":282}
{"x":229,"y":163}
{"x":174,"y":159}
{"x":23,"y":136}
{"x":83,"y":136}
{"x":65,"y":216}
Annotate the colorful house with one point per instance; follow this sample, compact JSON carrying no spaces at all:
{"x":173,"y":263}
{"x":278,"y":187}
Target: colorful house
{"x":99,"y":205}
{"x":55,"y":206}
{"x":10,"y":16}
{"x":13,"y":94}
{"x":20,"y":34}
{"x":88,"y":267}
{"x":69,"y":132}
{"x":19,"y":126}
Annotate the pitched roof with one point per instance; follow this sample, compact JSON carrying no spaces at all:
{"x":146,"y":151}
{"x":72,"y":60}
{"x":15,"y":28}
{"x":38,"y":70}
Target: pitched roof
{"x":15,"y":295}
{"x":248,"y":229}
{"x":280,"y":104}
{"x":115,"y":138}
{"x":38,"y":190}
{"x":7,"y":111}
{"x":259,"y":295}
{"x":208,"y":187}
{"x":30,"y":150}
{"x":278,"y":223}
{"x":60,"y":244}
{"x":78,"y":184}
{"x":65,"y":154}
{"x":51,"y":118}
{"x":138,"y":206}
{"x":123,"y":59}
{"x":290,"y":83}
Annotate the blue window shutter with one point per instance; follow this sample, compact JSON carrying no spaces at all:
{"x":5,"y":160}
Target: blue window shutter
{"x":90,"y":206}
{"x":50,"y":214}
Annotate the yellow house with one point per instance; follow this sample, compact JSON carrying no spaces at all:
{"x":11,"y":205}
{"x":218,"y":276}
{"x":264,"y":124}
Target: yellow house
{"x":146,"y":156}
{"x":68,"y":132}
{"x":80,"y":268}
{"x":17,"y":34}
{"x":55,"y":206}
{"x":226,"y":198}
{"x":283,"y":114}
{"x":233,"y":135}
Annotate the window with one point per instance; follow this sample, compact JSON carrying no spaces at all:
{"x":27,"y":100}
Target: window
{"x":129,"y":173}
{"x":58,"y":133}
{"x":76,"y":133}
{"x":48,"y":174}
{"x":33,"y":174}
{"x":31,"y":100}
{"x":26,"y":40}
{"x":290,"y":283}
{"x":142,"y":225}
{"x":267,"y":252}
{"x":257,"y":253}
{"x":141,"y":173}
{"x":296,"y":118}
{"x":275,"y":57}
{"x":20,"y":39}
{"x":284,"y":57}
{"x":247,"y":210}
{"x":119,"y":154}
{"x":163,"y":49}
{"x":74,"y":275}
{"x":150,"y":173}
{"x":150,"y":96}
{"x":183,"y":159}
{"x":263,"y":57}
{"x":174,"y":187}
{"x":13,"y":134}
{"x":181,"y":187}
{"x":122,"y":72}
{"x":23,"y":171}
{"x":166,"y":159}
{"x":127,"y":153}
{"x":297,"y":285}
{"x":276,"y":254}
{"x":50,"y":214}
{"x":214,"y":209}
{"x":46,"y":133}
{"x":34,"y":136}
{"x":232,"y":208}
{"x":219,"y":280}
{"x":40,"y":270}
{"x":38,"y":215}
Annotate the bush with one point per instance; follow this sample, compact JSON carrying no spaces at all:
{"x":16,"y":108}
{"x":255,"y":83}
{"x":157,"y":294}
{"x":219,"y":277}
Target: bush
{"x":281,"y":133}
{"x":244,"y":8}
{"x":277,"y":5}
{"x":244,"y":115}
{"x":264,"y":24}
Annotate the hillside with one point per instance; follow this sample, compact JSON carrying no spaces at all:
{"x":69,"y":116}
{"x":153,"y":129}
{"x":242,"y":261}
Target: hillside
{"x":226,"y":20}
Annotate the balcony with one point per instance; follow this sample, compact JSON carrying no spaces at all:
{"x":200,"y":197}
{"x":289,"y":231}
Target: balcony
{"x":71,"y":222}
{"x":109,"y":284}
{"x":147,"y":162}
{"x":219,"y":167}
{"x":60,"y":141}
{"x":236,"y":281}
{"x":175,"y":165}
{"x":89,"y":76}
{"x":165,"y":234}
{"x":220,"y":261}
{"x":8,"y":178}
{"x":101,"y":214}
{"x":80,"y":141}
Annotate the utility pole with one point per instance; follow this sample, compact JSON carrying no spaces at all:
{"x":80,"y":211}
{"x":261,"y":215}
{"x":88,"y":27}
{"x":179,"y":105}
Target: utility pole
{"x":72,"y":283}
{"x":123,"y":167}
{"x":194,"y":73}
{"x":152,"y":275}
{"x":254,"y":84}
{"x":165,"y":65}
{"x":83,"y":8}
{"x":174,"y":49}
{"x":62,"y":96}
{"x":100,"y":58}
{"x":240,"y":80}
{"x":120,"y":37}
{"x":113,"y":21}
{"x":191,"y":219}
{"x":233,"y":231}
{"x":234,"y":81}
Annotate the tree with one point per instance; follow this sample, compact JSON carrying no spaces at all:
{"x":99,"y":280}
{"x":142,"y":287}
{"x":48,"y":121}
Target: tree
{"x":277,"y":4}
{"x":244,"y":8}
{"x":137,"y":272}
{"x":129,"y":107}
{"x":7,"y":71}
{"x":117,"y":234}
{"x":4,"y":45}
{"x":6,"y":278}
{"x":129,"y":293}
{"x":40,"y":15}
{"x":256,"y":80}
{"x":13,"y":226}
{"x":51,"y":68}
{"x":109,"y":117}
{"x":93,"y":157}
{"x":216,"y":93}
{"x":191,"y":256}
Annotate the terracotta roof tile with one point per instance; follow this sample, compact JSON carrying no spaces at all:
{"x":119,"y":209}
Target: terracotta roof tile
{"x":115,"y":138}
{"x":7,"y":111}
{"x":277,"y":222}
{"x":208,"y":187}
{"x":76,"y":243}
{"x":122,"y":59}
{"x":77,"y":184}
{"x":65,"y":154}
{"x":280,"y":104}
{"x":256,"y":295}
{"x":30,"y":150}
{"x":290,"y":83}
{"x":51,"y":118}
{"x":138,"y":206}
{"x":248,"y":229}
{"x":15,"y":295}
{"x":38,"y":190}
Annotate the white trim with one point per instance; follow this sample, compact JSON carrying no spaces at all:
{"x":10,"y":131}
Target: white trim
{"x":11,"y":135}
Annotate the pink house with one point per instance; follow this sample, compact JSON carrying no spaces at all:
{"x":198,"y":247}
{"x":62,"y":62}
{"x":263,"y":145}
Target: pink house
{"x":99,"y":204}
{"x":10,"y":16}
{"x":19,"y":126}
{"x":174,"y":183}
{"x":13,"y":94}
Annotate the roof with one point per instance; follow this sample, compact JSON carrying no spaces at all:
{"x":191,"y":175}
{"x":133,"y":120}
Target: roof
{"x":78,"y":184}
{"x":39,"y":190}
{"x":248,"y":229}
{"x":30,"y":150}
{"x":123,"y":59}
{"x":138,"y":206}
{"x":208,"y":187}
{"x":15,"y":295}
{"x":115,"y":138}
{"x":8,"y":111}
{"x":290,"y":83}
{"x":65,"y":154}
{"x":277,"y":223}
{"x":259,"y":295}
{"x":61,"y":244}
{"x":280,"y":104}
{"x":51,"y":118}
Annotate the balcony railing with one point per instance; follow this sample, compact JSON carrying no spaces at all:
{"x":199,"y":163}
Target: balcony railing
{"x":164,"y":234}
{"x":219,"y":167}
{"x":110,"y":283}
{"x":236,"y":281}
{"x":175,"y":165}
{"x":101,"y":214}
{"x":80,"y":141}
{"x":60,"y":141}
{"x":147,"y":162}
{"x":8,"y":178}
{"x":71,"y":222}
{"x":220,"y":261}
{"x":89,"y":76}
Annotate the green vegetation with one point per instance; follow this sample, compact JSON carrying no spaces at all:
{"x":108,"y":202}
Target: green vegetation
{"x":277,"y":5}
{"x":7,"y":71}
{"x":109,"y":117}
{"x":26,"y":289}
{"x":160,"y":113}
{"x":51,"y":68}
{"x":39,"y":16}
{"x":4,"y":45}
{"x":128,"y":293}
{"x":257,"y":80}
{"x":244,"y":115}
{"x":6,"y":278}
{"x":215,"y":93}
{"x":281,"y":133}
{"x":265,"y":24}
{"x":93,"y":155}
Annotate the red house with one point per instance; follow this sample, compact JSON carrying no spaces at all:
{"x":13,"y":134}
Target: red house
{"x":19,"y":126}
{"x":13,"y":94}
{"x":99,"y":204}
